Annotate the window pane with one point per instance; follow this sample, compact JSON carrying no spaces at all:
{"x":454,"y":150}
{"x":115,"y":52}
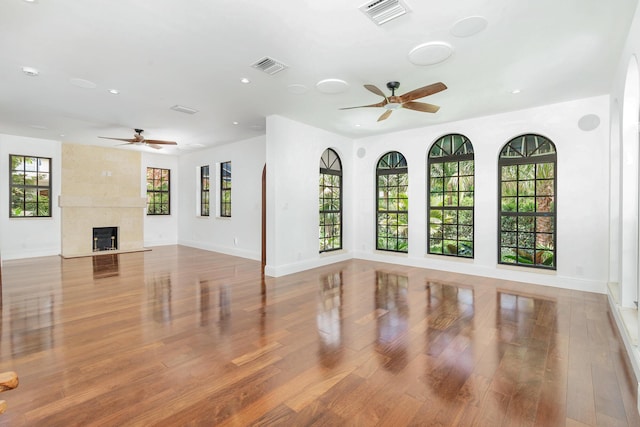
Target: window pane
{"x":330,"y":210}
{"x":392,"y":203}
{"x":527,"y":192}
{"x":451,"y":185}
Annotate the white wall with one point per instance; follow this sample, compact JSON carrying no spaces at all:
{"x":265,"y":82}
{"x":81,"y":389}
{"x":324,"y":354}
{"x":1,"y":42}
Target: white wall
{"x":162,"y":229}
{"x":624,"y":226}
{"x":582,"y":239}
{"x":241,"y":234}
{"x":293,"y":166}
{"x":29,"y":237}
{"x":293,"y":150}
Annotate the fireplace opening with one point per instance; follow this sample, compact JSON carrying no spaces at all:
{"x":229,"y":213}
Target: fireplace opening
{"x":105,"y":239}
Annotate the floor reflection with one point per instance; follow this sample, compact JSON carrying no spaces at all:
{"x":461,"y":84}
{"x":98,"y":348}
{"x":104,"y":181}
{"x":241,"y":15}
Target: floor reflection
{"x":160,"y":297}
{"x":393,"y":319}
{"x":205,"y":302}
{"x":450,"y":314}
{"x":329,"y":319}
{"x":105,"y":266}
{"x":31,"y":325}
{"x":224,"y":321}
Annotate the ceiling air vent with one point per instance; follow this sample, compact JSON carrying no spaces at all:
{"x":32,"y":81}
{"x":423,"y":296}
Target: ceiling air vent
{"x":269,"y":65}
{"x":381,"y":11}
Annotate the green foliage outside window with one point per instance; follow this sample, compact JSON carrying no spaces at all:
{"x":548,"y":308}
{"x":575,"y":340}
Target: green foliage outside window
{"x":158,"y":191}
{"x":527,"y":202}
{"x":451,"y":197}
{"x":204,"y":190}
{"x":392,"y":213}
{"x":30,"y":186}
{"x":225,"y":189}
{"x":330,"y":201}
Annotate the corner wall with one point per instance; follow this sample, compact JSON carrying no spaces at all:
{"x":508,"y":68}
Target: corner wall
{"x":240,"y":234}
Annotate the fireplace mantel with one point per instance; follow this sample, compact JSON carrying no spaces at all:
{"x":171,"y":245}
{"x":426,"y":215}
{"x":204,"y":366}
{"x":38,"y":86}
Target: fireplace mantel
{"x":101,"y":187}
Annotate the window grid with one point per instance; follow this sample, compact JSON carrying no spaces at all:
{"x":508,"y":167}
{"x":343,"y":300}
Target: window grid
{"x":527,"y":203}
{"x":225,"y":189}
{"x":30,"y":186}
{"x":392,"y":230}
{"x":451,"y":197}
{"x":204,"y":190}
{"x":330,"y":201}
{"x":158,"y":191}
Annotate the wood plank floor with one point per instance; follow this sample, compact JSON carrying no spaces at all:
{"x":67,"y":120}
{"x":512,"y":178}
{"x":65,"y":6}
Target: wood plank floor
{"x":181,"y":336}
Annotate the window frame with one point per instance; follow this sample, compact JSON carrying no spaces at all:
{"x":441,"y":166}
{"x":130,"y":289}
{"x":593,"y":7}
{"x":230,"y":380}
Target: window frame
{"x":328,"y":162}
{"x":521,"y":159}
{"x":398,"y":167}
{"x":225,"y":190}
{"x":156,"y":190}
{"x":464,"y":152}
{"x":205,"y":192}
{"x":24,"y":186}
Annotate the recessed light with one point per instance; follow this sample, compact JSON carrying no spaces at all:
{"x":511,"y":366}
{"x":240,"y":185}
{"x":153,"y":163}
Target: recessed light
{"x":30,"y":71}
{"x":114,"y":91}
{"x":358,"y":125}
{"x":245,"y":80}
{"x":515,"y":91}
{"x":235,"y":123}
{"x":29,"y":1}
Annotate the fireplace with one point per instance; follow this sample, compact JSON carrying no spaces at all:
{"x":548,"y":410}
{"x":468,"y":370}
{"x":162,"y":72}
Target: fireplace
{"x":105,"y":239}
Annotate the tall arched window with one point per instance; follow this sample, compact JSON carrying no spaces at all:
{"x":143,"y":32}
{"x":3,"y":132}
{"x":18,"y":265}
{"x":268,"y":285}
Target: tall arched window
{"x":527,"y":204}
{"x":451,"y":190}
{"x":392,"y":230}
{"x":330,"y":197}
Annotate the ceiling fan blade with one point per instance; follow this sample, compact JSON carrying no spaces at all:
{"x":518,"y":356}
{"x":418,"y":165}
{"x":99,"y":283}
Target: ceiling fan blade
{"x":159,"y":142}
{"x":374,"y":89}
{"x":130,"y":140}
{"x":379,"y":104}
{"x":157,"y":147}
{"x":422,"y":92}
{"x":421,"y":106}
{"x":385,"y":115}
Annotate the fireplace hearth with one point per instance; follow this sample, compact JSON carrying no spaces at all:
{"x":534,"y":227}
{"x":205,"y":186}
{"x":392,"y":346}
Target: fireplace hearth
{"x":105,"y":239}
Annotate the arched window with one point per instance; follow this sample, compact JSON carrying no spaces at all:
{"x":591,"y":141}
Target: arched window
{"x":392,"y":230}
{"x":527,"y":203}
{"x":330,"y":197}
{"x":451,"y":190}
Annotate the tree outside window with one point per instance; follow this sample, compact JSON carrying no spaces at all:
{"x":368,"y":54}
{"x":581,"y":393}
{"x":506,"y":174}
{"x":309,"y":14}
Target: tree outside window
{"x":204,"y":190}
{"x":451,"y":197}
{"x":30,"y":186}
{"x":225,"y":189}
{"x":392,"y":210}
{"x":330,"y":201}
{"x":158,"y":191}
{"x":527,"y":202}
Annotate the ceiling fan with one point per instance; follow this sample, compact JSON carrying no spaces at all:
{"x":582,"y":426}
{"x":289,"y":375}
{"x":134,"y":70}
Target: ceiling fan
{"x":138,"y":139}
{"x":394,"y":102}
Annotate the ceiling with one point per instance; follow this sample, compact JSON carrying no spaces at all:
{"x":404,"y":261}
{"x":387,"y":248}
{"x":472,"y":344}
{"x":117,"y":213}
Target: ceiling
{"x":162,"y":53}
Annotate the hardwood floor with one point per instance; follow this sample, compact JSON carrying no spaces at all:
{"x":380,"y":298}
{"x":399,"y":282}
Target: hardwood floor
{"x":181,"y":336}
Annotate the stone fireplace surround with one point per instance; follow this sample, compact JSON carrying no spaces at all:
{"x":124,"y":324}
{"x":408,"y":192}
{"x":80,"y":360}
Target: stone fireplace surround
{"x":101,"y":187}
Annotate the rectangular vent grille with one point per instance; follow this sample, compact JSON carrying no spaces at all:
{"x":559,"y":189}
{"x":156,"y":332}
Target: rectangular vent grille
{"x":381,"y":11}
{"x":269,"y":65}
{"x":183,"y":109}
